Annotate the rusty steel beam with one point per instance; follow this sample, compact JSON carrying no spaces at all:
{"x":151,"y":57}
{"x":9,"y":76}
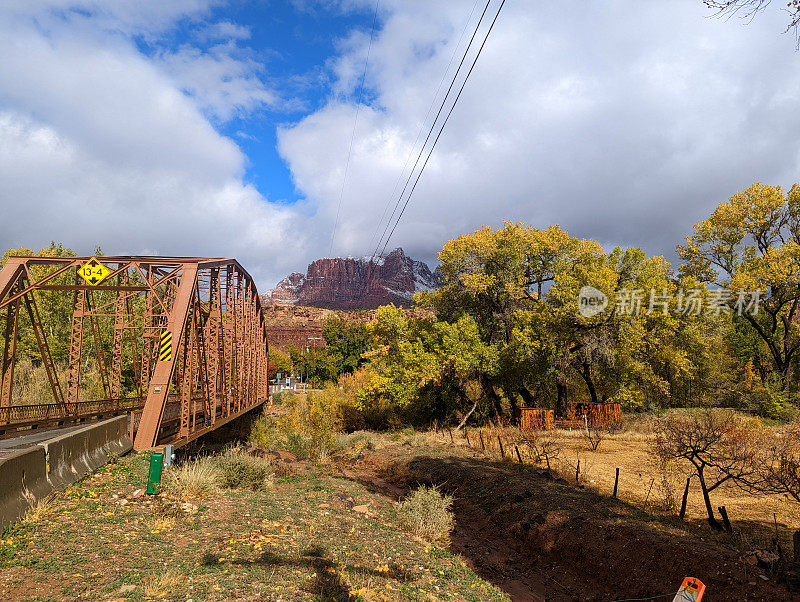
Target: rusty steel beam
{"x":76,"y":346}
{"x":9,"y":352}
{"x":147,"y":434}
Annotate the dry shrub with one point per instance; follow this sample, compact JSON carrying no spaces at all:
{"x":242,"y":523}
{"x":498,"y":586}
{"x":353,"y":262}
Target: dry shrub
{"x":427,"y":514}
{"x":542,"y":446}
{"x":31,"y":385}
{"x":778,"y":464}
{"x":238,"y":470}
{"x":195,"y":478}
{"x":160,"y":586}
{"x":667,"y":485}
{"x":309,"y":428}
{"x":721,"y":445}
{"x":594,"y":433}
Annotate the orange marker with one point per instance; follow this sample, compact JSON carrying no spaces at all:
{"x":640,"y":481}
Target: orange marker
{"x":691,"y":590}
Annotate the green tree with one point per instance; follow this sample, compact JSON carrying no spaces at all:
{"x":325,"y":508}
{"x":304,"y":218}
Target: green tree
{"x":347,"y":343}
{"x":315,"y":365}
{"x":417,"y":356}
{"x":279,"y":363}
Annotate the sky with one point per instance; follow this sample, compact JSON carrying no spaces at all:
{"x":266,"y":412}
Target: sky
{"x":226,"y":128}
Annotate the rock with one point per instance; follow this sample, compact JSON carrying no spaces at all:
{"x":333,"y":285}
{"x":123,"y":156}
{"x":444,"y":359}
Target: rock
{"x":361,"y":509}
{"x":347,"y":500}
{"x":283,"y":455}
{"x":138,"y":492}
{"x":256,"y":452}
{"x":765,"y":558}
{"x":126,"y":589}
{"x":349,"y":283}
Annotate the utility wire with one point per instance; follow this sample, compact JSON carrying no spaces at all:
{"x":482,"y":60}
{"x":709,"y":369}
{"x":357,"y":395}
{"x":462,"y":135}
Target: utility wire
{"x":450,"y":112}
{"x":419,"y":135}
{"x":430,"y":131}
{"x":355,"y":124}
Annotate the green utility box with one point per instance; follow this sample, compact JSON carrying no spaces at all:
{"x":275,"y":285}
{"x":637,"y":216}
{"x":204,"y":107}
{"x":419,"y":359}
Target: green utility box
{"x":154,"y":476}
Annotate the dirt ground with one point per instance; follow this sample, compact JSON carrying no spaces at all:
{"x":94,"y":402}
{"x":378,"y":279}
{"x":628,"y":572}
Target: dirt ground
{"x":643,"y":483}
{"x":539,"y":537}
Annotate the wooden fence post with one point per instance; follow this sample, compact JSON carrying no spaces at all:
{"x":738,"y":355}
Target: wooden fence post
{"x":480,"y":434}
{"x":520,"y":459}
{"x":451,"y":436}
{"x":653,"y":480}
{"x":577,"y":470}
{"x":724,"y":513}
{"x":502,"y":453}
{"x":796,"y":540}
{"x":685,"y":497}
{"x":616,"y":482}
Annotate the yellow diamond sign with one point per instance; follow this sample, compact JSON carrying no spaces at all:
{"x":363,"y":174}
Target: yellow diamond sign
{"x":93,"y":272}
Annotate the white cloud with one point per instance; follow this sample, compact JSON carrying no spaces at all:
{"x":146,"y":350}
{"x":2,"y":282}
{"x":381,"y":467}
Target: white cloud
{"x":224,"y":31}
{"x":623,"y":121}
{"x":223,"y":80}
{"x":99,"y":146}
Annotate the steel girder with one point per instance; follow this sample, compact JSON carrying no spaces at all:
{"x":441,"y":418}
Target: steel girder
{"x":181,"y":340}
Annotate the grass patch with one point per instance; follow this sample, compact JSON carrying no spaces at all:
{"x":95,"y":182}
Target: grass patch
{"x":296,"y":541}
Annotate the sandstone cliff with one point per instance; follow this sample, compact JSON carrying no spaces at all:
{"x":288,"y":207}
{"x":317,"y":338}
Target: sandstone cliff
{"x":348,"y":283}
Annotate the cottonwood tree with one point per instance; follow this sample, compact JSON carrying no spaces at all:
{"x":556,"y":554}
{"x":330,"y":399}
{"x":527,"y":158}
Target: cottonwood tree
{"x":721,"y":446}
{"x":751,"y":244}
{"x":411,"y":356}
{"x":520,"y":286}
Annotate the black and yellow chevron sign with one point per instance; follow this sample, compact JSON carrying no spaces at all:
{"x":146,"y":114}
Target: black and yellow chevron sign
{"x":165,"y":347}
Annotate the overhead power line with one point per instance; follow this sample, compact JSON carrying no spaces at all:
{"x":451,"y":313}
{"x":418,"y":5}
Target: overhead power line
{"x":419,"y":135}
{"x":441,"y":129}
{"x":430,"y":131}
{"x":355,"y":124}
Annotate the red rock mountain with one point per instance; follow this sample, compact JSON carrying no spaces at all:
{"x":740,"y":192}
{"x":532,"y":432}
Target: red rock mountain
{"x":348,"y":283}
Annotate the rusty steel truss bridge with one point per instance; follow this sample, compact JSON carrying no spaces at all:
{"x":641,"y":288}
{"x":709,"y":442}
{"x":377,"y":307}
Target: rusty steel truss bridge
{"x":178,"y":343}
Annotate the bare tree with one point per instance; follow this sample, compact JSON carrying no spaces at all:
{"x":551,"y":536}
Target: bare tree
{"x":720,"y":444}
{"x":748,"y":9}
{"x":779,"y":465}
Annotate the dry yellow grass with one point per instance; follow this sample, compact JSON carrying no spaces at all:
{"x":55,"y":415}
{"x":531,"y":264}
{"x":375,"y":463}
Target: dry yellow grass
{"x":39,"y":510}
{"x":643,"y":483}
{"x":162,"y":585}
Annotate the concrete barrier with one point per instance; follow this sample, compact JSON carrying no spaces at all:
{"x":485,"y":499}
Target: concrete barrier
{"x":74,"y":455}
{"x":34,"y":472}
{"x":23,"y":480}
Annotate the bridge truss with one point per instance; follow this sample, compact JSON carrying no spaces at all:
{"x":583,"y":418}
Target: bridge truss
{"x":179,"y":343}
